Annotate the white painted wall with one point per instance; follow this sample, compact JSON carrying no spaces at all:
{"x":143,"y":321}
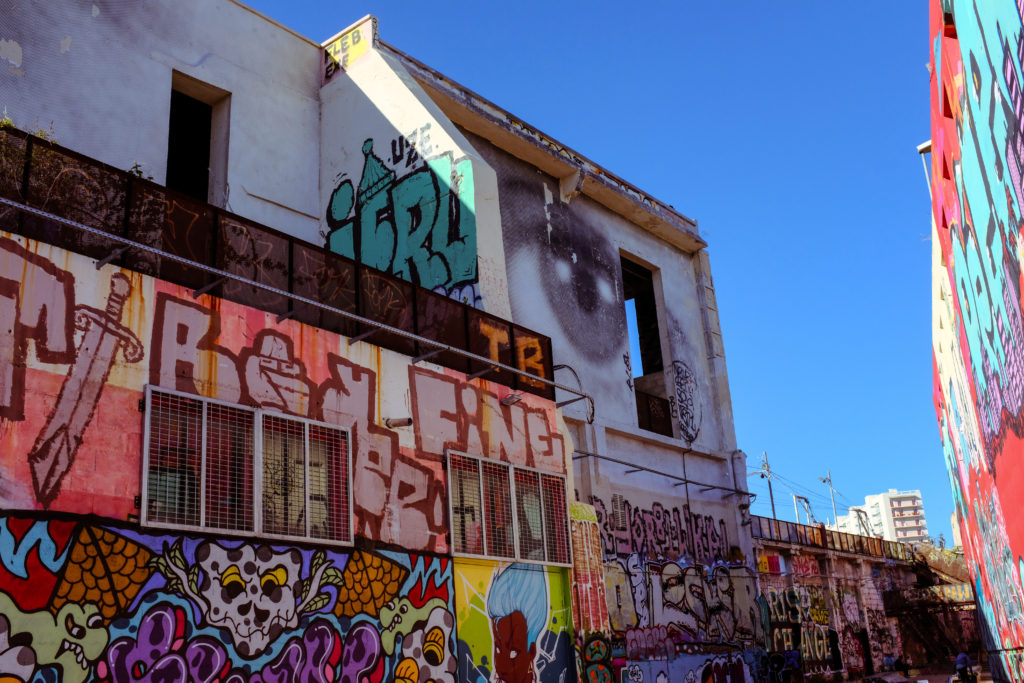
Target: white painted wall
{"x":377,"y":103}
{"x":98,"y":75}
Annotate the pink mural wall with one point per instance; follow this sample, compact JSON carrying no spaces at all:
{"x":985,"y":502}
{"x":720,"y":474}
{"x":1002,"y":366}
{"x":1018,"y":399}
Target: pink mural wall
{"x":83,"y":344}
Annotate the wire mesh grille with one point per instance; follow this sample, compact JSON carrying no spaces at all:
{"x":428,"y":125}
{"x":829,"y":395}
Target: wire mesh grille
{"x":464,"y":475}
{"x":556,"y":524}
{"x":175,"y":459}
{"x":529,"y":516}
{"x":229,"y":474}
{"x":328,"y":484}
{"x":284,"y":477}
{"x":497,"y":501}
{"x":304,"y":467}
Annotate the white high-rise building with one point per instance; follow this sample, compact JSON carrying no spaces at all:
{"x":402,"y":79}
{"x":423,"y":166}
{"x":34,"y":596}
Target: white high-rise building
{"x":894,"y":515}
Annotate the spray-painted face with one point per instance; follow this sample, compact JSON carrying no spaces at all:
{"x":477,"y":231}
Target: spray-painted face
{"x":83,"y":637}
{"x":250,"y":592}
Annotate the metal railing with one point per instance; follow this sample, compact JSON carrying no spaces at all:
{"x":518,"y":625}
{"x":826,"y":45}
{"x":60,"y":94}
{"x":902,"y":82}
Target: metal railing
{"x":77,"y":203}
{"x":781,"y":531}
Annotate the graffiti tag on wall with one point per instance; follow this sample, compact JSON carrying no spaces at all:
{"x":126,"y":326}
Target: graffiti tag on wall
{"x":660,"y":533}
{"x":420,"y":226}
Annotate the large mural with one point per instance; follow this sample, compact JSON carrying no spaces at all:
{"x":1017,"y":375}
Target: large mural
{"x":100,"y":337}
{"x":104,"y":602}
{"x":86,"y":594}
{"x":977,"y":107}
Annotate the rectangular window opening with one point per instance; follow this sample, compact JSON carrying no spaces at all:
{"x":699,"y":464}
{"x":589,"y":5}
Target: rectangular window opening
{"x":506,"y":512}
{"x":652,"y":406}
{"x":197,"y":140}
{"x":204,"y":461}
{"x":645,"y":340}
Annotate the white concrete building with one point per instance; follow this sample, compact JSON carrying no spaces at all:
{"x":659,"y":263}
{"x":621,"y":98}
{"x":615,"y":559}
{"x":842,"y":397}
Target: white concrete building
{"x":349,"y":175}
{"x":893,"y":515}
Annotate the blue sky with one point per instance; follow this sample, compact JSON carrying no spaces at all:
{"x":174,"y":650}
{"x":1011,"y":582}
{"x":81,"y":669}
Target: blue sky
{"x":788,"y":131}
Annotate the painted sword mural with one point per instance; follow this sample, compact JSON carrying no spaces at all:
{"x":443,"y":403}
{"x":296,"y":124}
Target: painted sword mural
{"x":102,"y":335}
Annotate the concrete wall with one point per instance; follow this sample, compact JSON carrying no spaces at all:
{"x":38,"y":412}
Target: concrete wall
{"x":403,"y":190}
{"x":976,"y":162}
{"x":98,"y":77}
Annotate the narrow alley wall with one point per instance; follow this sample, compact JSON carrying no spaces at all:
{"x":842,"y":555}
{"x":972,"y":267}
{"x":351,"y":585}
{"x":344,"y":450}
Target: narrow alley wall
{"x":977,"y":112}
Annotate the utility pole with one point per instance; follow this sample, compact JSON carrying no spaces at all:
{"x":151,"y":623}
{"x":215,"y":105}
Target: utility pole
{"x":832,"y":491}
{"x":766,"y":473}
{"x":796,"y":509}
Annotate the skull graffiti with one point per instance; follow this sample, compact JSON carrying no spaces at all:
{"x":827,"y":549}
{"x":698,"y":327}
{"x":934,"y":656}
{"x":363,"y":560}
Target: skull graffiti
{"x":250,"y":592}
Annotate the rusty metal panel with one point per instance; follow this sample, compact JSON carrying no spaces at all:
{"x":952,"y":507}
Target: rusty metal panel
{"x":386,"y":299}
{"x":442,"y":319}
{"x":533,"y":355}
{"x":12,"y":171}
{"x":77,"y":188}
{"x":178,"y":225}
{"x":329,"y":278}
{"x":490,"y":337}
{"x":251,"y":251}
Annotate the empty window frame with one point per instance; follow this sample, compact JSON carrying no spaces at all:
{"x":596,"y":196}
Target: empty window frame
{"x":638,"y":293}
{"x":500,"y":511}
{"x":197,"y":139}
{"x":217,"y":466}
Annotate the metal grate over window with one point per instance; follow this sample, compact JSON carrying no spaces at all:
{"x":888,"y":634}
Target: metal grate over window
{"x":464,"y":484}
{"x":507,"y":512}
{"x":205,"y":460}
{"x":228,"y":468}
{"x":529,"y":515}
{"x":556,"y":522}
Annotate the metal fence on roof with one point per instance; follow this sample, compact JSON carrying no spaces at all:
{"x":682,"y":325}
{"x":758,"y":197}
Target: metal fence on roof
{"x":818,"y":536}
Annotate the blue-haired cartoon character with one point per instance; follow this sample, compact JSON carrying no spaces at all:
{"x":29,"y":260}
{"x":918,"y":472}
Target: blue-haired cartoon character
{"x":517,"y":604}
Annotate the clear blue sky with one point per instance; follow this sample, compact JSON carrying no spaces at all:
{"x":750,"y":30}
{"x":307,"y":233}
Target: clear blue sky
{"x":788,"y":131}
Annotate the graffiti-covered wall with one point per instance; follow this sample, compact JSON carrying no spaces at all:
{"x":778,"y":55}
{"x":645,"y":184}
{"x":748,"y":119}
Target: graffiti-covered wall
{"x":84,"y":600}
{"x":977,"y":108}
{"x":117,"y":600}
{"x":403,"y":190}
{"x":680,"y":594}
{"x":824,"y":612}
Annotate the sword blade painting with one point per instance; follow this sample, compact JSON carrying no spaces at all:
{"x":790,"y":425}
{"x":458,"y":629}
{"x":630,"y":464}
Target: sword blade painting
{"x":102,"y":337}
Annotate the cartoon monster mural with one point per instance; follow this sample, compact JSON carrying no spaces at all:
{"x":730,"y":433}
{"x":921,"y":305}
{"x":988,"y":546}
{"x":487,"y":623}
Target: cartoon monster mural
{"x":75,"y":605}
{"x":71,"y":640}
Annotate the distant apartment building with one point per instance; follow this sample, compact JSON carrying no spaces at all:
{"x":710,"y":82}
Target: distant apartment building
{"x":894,"y":515}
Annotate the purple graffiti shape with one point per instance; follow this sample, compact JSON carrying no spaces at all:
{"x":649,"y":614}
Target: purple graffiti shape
{"x":362,"y":651}
{"x":159,"y":653}
{"x":310,"y":658}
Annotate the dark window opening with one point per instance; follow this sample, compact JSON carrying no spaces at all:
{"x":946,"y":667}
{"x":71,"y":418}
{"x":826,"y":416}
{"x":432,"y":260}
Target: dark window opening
{"x":652,"y":407}
{"x":188,"y":146}
{"x":638,"y":291}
